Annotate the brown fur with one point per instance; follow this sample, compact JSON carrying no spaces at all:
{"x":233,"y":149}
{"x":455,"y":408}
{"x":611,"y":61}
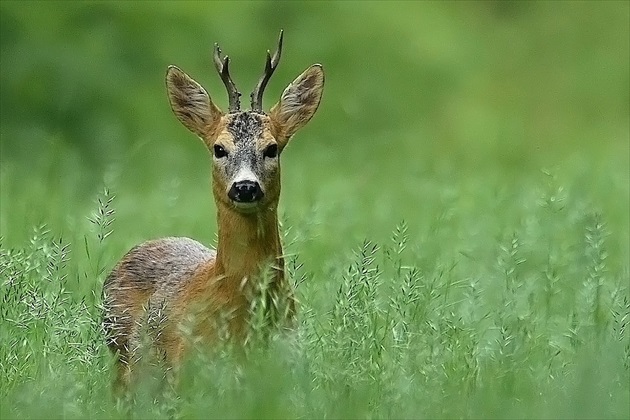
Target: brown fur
{"x":169,"y":289}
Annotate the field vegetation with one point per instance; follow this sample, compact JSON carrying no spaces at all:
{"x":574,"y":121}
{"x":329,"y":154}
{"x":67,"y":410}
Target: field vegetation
{"x":456,"y":217}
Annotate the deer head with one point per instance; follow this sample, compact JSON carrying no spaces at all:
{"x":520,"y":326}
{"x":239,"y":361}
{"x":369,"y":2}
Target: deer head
{"x":245,"y":145}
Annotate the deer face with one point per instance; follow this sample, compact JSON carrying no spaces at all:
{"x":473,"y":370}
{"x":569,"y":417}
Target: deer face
{"x":245,"y":145}
{"x":246,"y":166}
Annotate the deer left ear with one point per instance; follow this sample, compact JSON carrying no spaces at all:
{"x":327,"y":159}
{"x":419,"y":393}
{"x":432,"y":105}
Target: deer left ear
{"x":191,"y":103}
{"x":298,"y":103}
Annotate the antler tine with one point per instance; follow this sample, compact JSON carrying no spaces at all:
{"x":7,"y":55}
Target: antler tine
{"x":224,"y":71}
{"x":270,"y":66}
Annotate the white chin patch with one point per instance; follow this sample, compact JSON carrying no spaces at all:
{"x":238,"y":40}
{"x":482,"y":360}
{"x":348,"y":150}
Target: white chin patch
{"x":246,"y":207}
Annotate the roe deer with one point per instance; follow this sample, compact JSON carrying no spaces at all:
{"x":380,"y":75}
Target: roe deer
{"x":162,"y":284}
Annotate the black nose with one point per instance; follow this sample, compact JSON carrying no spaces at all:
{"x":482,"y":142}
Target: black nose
{"x":245,"y":192}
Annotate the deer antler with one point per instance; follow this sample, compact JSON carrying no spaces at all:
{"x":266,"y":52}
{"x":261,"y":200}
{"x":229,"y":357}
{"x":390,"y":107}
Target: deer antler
{"x":270,"y":66}
{"x":223,"y":69}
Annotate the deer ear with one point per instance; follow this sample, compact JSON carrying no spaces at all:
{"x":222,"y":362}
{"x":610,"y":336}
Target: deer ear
{"x":298,"y":103}
{"x":191,"y":103}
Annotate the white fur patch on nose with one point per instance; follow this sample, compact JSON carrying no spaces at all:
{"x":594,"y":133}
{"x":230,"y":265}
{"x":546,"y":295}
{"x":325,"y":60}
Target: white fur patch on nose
{"x":245,"y":174}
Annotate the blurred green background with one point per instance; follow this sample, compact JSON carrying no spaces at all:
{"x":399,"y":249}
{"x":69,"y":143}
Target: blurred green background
{"x":414,"y":91}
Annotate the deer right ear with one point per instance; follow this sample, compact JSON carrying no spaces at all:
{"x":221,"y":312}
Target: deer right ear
{"x":191,"y":103}
{"x":298,"y":103}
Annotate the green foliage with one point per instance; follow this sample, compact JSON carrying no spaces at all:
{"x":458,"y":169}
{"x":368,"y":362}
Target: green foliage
{"x":398,"y":336}
{"x":497,"y":131}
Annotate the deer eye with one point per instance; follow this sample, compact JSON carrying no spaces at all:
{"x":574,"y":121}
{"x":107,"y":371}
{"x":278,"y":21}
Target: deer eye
{"x":219,"y":151}
{"x":271,"y":151}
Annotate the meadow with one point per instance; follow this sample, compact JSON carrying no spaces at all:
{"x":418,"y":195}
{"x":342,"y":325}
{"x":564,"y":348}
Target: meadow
{"x":456,"y":217}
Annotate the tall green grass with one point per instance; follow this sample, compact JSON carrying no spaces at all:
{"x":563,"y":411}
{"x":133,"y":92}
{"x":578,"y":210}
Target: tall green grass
{"x":528,"y":320}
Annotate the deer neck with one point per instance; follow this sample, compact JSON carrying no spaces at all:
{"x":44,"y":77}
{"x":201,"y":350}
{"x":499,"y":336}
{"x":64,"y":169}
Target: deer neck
{"x":247,"y":242}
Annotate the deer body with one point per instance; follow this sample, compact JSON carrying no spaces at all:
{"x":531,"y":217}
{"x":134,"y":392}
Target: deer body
{"x":164,"y":287}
